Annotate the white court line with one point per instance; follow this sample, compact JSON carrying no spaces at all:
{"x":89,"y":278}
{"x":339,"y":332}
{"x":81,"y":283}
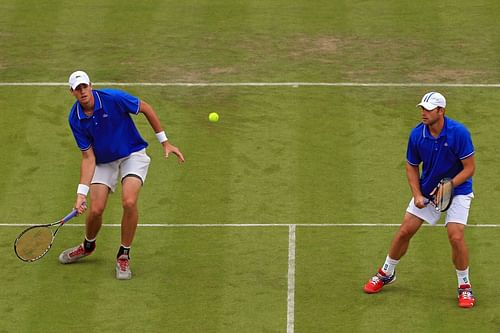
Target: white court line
{"x":290,"y":314}
{"x":261,"y":84}
{"x":262,"y":225}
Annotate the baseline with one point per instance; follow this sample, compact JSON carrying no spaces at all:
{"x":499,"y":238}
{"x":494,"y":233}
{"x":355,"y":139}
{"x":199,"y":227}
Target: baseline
{"x":261,"y":84}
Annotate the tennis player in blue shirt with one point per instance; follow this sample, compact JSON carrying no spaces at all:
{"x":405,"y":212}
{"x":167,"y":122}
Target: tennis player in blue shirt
{"x":444,"y":148}
{"x":112,"y":149}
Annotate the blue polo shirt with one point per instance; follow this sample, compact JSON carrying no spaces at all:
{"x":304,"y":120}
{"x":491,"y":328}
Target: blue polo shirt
{"x":110,"y":130}
{"x":442,"y":156}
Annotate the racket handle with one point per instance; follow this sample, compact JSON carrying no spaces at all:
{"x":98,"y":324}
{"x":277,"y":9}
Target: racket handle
{"x":73,"y":213}
{"x":70,"y":215}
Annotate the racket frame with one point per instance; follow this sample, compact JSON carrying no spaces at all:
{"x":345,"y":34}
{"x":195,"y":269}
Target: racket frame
{"x":433,"y":198}
{"x":59,"y":223}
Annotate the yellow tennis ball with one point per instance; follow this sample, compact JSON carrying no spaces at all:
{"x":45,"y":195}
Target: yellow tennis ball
{"x":213,"y":117}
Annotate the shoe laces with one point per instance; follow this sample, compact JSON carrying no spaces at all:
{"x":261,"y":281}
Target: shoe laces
{"x":383,"y":278}
{"x":465,"y":293}
{"x":376,"y":279}
{"x":78,"y":251}
{"x":123,"y":263}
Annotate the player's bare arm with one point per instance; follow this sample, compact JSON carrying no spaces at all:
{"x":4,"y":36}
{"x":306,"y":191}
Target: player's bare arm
{"x":87,"y":169}
{"x":413,"y":175}
{"x":469,"y":165}
{"x":155,"y":123}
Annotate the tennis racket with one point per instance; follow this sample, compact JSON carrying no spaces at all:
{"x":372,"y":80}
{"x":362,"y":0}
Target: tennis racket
{"x":442,"y":196}
{"x":34,"y":242}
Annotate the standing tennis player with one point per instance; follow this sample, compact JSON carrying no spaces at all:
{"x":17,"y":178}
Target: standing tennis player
{"x":112,"y":149}
{"x":444,"y":148}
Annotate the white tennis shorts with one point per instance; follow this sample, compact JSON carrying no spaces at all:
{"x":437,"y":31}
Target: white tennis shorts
{"x":458,"y":211}
{"x":136,"y":164}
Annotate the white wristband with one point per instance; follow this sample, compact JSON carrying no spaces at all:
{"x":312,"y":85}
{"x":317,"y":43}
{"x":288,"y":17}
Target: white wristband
{"x":82,"y":189}
{"x":162,"y":137}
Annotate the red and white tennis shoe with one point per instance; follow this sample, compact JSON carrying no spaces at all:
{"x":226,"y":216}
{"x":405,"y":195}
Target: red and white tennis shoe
{"x":73,"y":254}
{"x":123,"y":271}
{"x":375,"y":284}
{"x":465,"y":297}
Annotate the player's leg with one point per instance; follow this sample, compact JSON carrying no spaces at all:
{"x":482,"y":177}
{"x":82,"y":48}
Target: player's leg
{"x":401,"y":240}
{"x":134,"y":170}
{"x":456,"y":221}
{"x":104,"y":180}
{"x":399,"y":245}
{"x":103,"y":183}
{"x":412,"y":221}
{"x":98,"y":199}
{"x":459,"y":250}
{"x":460,"y":257}
{"x":131,"y":188}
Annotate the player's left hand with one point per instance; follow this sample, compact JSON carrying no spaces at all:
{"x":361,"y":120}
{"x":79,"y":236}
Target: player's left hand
{"x":168,"y":148}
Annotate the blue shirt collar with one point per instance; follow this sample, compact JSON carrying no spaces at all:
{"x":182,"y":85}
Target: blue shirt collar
{"x":97,"y":106}
{"x":427,"y":134}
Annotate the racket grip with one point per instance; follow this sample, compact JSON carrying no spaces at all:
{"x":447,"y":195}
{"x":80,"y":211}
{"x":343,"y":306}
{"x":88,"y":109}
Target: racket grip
{"x":70,"y":215}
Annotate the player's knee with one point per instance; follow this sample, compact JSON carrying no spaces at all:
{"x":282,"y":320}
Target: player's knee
{"x":456,"y":239}
{"x":97,"y":210}
{"x":129,"y":203}
{"x":405,"y":233}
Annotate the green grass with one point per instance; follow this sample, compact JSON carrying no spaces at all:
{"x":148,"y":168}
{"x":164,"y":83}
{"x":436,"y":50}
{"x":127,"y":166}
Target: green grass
{"x":197,"y":280}
{"x":421,"y":300}
{"x":287,"y":155}
{"x":250,"y":41}
{"x":279,"y":155}
{"x":301,"y":155}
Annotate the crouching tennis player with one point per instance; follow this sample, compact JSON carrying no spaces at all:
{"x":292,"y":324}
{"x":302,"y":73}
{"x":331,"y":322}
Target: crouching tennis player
{"x":112,"y":149}
{"x":444,"y":147}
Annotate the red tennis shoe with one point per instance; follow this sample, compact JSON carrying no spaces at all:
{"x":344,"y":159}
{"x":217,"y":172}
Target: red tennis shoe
{"x":375,"y":284}
{"x":465,"y":297}
{"x":73,"y":254}
{"x":123,"y":271}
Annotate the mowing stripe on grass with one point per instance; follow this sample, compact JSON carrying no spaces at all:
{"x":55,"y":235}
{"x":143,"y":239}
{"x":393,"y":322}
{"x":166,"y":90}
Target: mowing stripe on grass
{"x":290,"y":314}
{"x":262,"y":84}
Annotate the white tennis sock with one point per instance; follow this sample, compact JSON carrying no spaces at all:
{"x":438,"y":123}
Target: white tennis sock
{"x":463,"y":277}
{"x":389,"y":266}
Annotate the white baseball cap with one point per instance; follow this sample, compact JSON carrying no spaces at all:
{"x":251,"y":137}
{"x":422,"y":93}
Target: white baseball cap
{"x":77,"y":78}
{"x":432,"y":100}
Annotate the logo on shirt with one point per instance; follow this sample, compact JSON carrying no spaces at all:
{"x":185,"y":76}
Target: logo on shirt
{"x":105,"y":115}
{"x":446,"y":144}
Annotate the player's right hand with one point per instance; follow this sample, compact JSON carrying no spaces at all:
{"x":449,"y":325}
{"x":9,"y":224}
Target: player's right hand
{"x":81,"y":203}
{"x":420,"y":201}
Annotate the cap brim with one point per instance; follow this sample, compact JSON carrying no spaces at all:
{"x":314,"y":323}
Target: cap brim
{"x":78,"y":82}
{"x":427,"y":105}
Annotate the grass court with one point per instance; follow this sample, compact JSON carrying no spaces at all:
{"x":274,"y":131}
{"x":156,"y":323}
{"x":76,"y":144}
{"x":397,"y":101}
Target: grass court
{"x":214,"y":251}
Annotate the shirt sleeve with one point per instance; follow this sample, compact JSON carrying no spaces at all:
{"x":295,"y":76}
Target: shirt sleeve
{"x":127,"y":103}
{"x":83,"y":141}
{"x":464,"y":146}
{"x":412,"y":155}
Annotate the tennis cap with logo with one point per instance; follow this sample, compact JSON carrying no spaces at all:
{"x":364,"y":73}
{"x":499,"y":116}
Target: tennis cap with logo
{"x":77,"y":78}
{"x":432,"y":100}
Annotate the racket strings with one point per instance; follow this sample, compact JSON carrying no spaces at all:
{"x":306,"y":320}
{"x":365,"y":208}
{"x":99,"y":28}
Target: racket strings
{"x":34,"y":243}
{"x":444,"y":195}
